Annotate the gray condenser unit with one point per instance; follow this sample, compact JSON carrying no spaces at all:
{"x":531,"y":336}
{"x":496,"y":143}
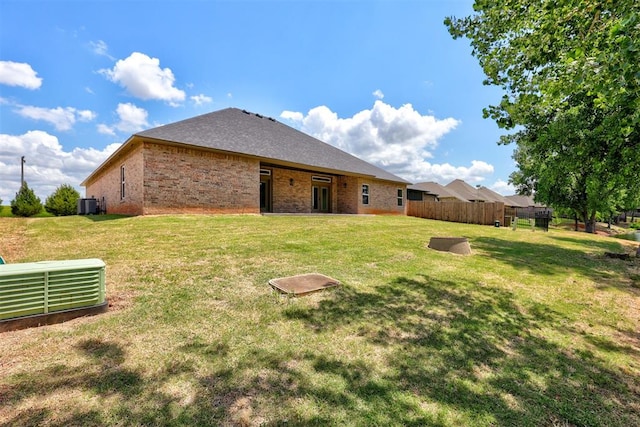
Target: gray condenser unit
{"x":87,"y":206}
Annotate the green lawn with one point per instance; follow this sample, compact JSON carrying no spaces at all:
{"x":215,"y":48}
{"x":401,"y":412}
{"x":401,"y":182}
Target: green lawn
{"x":5,"y":212}
{"x":532,"y":329}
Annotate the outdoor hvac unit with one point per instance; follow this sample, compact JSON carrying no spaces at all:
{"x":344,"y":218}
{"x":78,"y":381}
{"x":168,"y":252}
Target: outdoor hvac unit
{"x":46,"y":287}
{"x":87,"y":206}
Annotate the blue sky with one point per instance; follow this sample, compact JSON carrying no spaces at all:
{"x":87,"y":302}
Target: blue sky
{"x":381,"y":79}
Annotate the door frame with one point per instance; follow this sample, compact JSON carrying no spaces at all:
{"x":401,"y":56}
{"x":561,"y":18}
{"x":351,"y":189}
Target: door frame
{"x":266,"y":185}
{"x":320,"y":197}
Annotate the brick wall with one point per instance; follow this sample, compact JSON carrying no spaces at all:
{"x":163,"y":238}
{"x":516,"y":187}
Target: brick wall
{"x":382,"y":197}
{"x":161,"y":179}
{"x":290,"y":198}
{"x":345,"y":199}
{"x":297,"y":197}
{"x":107,"y":184}
{"x":348,"y":195}
{"x":184,"y":180}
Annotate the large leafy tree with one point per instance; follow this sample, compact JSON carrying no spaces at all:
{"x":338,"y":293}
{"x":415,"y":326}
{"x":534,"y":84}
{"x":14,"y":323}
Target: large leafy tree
{"x":570,"y":70}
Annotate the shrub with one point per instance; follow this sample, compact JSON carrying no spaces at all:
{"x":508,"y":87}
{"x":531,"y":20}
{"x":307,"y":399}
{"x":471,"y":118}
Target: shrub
{"x":26,"y":203}
{"x":635,"y":225}
{"x":63,"y":201}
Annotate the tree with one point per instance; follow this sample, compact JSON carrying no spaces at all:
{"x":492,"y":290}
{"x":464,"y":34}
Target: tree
{"x":26,"y":203}
{"x":571,"y":74}
{"x":63,"y":201}
{"x":631,"y":201}
{"x":566,"y":161}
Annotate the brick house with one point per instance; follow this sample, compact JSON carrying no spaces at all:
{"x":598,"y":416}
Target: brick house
{"x":234,"y":161}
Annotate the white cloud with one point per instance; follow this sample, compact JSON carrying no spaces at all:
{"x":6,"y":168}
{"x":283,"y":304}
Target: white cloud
{"x":131,"y":119}
{"x":396,"y":139}
{"x":378,"y":94}
{"x":445,"y":173}
{"x":143,"y":78}
{"x":101,"y":48}
{"x":503,"y":187}
{"x":19,"y":74}
{"x":47,"y":165}
{"x":292,"y":115}
{"x":106,"y":130}
{"x":86,"y":115}
{"x":201,"y":99}
{"x":62,"y":118}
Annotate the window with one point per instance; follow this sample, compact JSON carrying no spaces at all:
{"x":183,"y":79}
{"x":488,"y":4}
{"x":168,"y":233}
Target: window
{"x":365,"y":194}
{"x":326,"y":179}
{"x":122,"y":182}
{"x":400,"y":197}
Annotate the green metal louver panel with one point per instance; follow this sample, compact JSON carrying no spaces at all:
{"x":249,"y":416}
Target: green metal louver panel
{"x":50,"y":286}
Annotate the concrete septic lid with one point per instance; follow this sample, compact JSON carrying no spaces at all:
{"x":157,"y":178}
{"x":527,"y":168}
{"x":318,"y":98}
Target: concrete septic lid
{"x":456,"y":245}
{"x":303,"y":284}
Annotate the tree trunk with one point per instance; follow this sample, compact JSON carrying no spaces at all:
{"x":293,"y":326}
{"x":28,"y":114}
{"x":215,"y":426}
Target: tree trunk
{"x":590,"y":223}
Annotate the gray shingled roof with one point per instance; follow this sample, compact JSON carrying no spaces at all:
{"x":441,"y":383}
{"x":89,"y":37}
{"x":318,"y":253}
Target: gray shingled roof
{"x":491,"y":196}
{"x":523,"y":201}
{"x":439,"y":190}
{"x":465,"y":190}
{"x":237,"y":131}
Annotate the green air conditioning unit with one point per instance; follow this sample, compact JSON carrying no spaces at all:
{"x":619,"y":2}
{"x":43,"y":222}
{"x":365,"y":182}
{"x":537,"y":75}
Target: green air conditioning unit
{"x":41,"y":288}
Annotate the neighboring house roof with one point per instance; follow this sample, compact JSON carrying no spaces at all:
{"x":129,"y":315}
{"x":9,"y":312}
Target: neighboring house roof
{"x":492,"y":196}
{"x":465,"y":190}
{"x":518,"y":201}
{"x":437,"y":189}
{"x":238,"y":131}
{"x":460,"y":190}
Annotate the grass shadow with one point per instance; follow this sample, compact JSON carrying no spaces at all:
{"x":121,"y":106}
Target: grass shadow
{"x":105,"y":217}
{"x":550,"y":260}
{"x":603,"y":245}
{"x":102,"y":373}
{"x":452,"y":354}
{"x":479,"y":352}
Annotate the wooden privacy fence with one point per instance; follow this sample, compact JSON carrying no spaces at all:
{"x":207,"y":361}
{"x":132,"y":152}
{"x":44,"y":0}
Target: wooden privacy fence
{"x":467,"y":212}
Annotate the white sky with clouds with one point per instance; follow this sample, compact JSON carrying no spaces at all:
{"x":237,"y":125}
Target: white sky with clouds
{"x":381,"y":80}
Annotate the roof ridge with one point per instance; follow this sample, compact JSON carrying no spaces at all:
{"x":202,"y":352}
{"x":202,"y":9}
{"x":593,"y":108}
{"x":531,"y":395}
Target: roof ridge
{"x":238,"y":131}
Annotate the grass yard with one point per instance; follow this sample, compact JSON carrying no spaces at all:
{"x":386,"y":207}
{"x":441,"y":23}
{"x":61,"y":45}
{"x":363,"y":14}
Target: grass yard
{"x":5,"y":212}
{"x":533,"y":329}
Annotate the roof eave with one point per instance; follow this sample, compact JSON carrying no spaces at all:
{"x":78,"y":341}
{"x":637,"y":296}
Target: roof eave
{"x":108,"y":160}
{"x":273,"y":161}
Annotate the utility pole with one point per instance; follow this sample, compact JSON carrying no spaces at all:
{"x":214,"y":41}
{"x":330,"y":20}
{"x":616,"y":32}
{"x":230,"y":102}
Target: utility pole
{"x":22,"y":162}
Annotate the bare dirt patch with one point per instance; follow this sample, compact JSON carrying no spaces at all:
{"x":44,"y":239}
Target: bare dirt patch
{"x":12,"y":238}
